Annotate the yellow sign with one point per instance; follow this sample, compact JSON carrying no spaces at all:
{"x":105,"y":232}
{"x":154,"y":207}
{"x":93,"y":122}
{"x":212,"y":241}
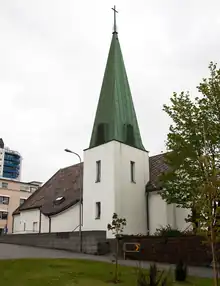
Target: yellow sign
{"x":137,"y":247}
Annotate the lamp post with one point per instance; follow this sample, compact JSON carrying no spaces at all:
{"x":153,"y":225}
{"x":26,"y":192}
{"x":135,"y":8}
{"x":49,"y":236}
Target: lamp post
{"x":80,"y":197}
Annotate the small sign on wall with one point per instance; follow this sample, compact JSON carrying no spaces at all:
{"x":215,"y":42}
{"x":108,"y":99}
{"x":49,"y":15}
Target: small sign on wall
{"x":130,"y":247}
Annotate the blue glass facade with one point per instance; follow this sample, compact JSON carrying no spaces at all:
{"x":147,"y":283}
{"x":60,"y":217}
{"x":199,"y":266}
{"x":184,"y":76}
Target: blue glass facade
{"x":12,"y":164}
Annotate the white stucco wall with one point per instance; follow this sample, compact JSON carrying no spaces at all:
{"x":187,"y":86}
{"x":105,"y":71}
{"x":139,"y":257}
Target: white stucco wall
{"x":67,"y":220}
{"x":181,"y":215}
{"x":157,"y":212}
{"x":16,"y":224}
{"x":116,"y":192}
{"x":28,"y":217}
{"x":44,"y":223}
{"x":98,"y":192}
{"x":130,"y":200}
{"x":163,"y":214}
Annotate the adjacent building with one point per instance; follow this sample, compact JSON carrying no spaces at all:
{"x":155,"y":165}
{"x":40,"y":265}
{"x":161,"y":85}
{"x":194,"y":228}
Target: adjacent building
{"x":10,"y":162}
{"x":13,"y":194}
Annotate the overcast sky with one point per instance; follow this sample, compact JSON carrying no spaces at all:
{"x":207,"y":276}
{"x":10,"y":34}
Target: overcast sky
{"x":52,"y":60}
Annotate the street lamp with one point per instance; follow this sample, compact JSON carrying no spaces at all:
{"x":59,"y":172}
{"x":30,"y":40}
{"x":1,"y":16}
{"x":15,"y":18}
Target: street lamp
{"x":80,"y":197}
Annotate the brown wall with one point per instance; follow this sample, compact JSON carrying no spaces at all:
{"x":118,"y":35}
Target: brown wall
{"x":190,"y":249}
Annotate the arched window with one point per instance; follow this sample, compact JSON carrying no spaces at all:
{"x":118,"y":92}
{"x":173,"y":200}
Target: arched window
{"x":100,"y":136}
{"x":129,"y":139}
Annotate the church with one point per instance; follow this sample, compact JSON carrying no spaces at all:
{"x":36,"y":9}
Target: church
{"x":117,"y":174}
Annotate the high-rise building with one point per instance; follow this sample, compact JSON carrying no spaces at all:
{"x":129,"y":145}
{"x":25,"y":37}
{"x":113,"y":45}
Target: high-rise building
{"x":10,"y":162}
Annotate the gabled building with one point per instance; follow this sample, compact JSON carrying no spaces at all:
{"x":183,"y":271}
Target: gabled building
{"x":118,"y":174}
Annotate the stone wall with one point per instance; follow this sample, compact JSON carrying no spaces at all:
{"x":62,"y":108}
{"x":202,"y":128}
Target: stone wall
{"x":93,"y":242}
{"x":191,"y":249}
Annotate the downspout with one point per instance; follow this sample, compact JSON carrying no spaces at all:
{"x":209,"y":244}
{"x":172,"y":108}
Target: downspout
{"x":12,"y":230}
{"x":147,"y":210}
{"x":40,"y":223}
{"x":49,"y":224}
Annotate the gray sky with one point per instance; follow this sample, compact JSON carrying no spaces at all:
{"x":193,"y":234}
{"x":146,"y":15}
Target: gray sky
{"x":52,"y":60}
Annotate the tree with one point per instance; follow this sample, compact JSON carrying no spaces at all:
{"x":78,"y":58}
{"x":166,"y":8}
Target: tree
{"x":193,"y":143}
{"x":116,"y":227}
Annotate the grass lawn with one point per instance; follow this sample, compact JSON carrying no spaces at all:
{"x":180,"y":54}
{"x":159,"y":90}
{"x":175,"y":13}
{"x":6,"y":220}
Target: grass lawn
{"x":66,"y":272}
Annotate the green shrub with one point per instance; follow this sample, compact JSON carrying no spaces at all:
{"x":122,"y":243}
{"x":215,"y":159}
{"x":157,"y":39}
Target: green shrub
{"x":180,"y":271}
{"x":153,"y":278}
{"x":168,"y":231}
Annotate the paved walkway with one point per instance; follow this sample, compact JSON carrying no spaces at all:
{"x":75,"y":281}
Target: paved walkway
{"x":11,"y":251}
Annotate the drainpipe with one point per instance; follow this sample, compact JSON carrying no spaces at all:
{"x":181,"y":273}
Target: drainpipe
{"x":147,"y":210}
{"x":49,"y":224}
{"x":40,"y":223}
{"x":12,"y":224}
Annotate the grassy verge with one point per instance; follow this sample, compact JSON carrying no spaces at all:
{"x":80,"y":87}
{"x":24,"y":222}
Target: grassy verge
{"x":66,"y":272}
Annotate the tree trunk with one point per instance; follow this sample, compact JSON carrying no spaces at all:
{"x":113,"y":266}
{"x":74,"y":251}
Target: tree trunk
{"x":116,"y":262}
{"x":215,"y":267}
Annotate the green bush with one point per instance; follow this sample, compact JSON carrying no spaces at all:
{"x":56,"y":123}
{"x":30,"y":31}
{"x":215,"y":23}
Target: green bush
{"x":180,"y":271}
{"x":153,"y":278}
{"x":168,"y":231}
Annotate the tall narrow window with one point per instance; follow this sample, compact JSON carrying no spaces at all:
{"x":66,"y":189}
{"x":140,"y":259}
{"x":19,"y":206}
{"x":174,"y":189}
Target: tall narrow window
{"x":98,"y":171}
{"x":129,"y":135}
{"x":132,"y":166}
{"x":100,"y":138}
{"x":98,"y":210}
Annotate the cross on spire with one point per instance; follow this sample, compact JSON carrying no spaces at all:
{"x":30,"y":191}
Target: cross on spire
{"x":115,"y":27}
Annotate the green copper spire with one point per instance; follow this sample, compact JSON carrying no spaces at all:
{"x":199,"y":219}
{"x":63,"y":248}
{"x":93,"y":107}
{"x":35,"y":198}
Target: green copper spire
{"x":115,"y":116}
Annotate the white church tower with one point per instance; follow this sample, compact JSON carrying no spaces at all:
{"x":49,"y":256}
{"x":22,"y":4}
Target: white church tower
{"x":116,"y":164}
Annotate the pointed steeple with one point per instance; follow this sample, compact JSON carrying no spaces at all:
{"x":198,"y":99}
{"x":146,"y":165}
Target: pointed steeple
{"x":115,"y":116}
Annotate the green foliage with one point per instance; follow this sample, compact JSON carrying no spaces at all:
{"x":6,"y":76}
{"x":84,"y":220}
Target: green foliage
{"x":153,"y":278}
{"x":181,"y":271}
{"x":193,"y":142}
{"x":168,"y":231}
{"x":117,"y":225}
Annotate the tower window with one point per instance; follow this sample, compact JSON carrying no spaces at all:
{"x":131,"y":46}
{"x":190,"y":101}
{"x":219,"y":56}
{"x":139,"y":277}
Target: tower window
{"x":98,"y":171}
{"x":100,"y":138}
{"x":132,"y":166}
{"x":98,"y":210}
{"x":129,"y":134}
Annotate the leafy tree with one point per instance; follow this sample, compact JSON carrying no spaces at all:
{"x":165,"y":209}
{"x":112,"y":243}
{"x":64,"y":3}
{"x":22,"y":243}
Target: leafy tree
{"x":193,"y":143}
{"x":116,"y":227}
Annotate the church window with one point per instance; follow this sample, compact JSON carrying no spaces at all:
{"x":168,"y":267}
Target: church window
{"x":129,"y":135}
{"x":98,"y":171}
{"x":98,"y":210}
{"x":132,"y":166}
{"x":100,"y":138}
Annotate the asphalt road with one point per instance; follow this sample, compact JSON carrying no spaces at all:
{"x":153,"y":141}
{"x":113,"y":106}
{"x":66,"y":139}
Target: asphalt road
{"x":11,"y":251}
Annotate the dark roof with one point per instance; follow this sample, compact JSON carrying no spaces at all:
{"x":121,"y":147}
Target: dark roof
{"x":157,"y":166}
{"x":65,"y":183}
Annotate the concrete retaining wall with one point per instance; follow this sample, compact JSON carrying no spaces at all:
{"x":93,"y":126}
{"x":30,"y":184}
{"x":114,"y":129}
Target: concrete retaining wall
{"x":92,"y":241}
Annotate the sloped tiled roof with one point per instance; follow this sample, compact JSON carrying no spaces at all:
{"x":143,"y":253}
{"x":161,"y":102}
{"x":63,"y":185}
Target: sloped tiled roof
{"x":157,"y":166}
{"x":65,"y":183}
